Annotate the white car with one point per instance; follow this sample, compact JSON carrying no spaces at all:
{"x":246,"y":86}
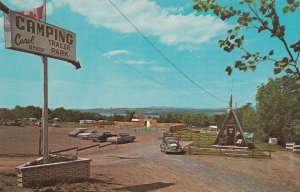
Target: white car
{"x":86,"y":134}
{"x":77,"y":131}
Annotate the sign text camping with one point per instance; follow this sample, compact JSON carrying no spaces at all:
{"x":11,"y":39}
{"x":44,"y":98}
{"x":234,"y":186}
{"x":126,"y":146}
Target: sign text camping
{"x":29,"y":35}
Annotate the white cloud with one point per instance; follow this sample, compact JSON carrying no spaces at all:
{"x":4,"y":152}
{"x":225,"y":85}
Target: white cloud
{"x":49,"y":8}
{"x":116,"y":52}
{"x":135,"y":62}
{"x":175,"y":10}
{"x":152,"y":20}
{"x":25,"y":5}
{"x":160,"y":69}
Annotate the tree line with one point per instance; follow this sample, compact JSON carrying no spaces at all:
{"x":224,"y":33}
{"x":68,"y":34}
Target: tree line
{"x":277,"y":111}
{"x":275,"y":114}
{"x":65,"y":115}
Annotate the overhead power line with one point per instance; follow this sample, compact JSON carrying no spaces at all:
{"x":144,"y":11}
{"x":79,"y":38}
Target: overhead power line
{"x":163,"y":55}
{"x":120,"y":61}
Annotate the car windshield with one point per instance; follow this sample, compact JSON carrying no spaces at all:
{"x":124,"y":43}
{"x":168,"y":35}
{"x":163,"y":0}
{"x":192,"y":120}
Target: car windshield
{"x":170,"y":140}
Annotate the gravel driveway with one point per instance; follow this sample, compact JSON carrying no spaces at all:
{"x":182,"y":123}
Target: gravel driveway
{"x":141,"y":167}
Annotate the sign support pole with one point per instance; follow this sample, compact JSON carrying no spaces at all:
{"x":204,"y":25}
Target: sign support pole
{"x":45,"y":108}
{"x":71,"y":59}
{"x":45,"y":112}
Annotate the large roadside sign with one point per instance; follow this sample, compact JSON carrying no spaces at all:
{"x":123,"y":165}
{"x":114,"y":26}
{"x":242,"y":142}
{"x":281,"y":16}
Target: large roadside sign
{"x":25,"y":34}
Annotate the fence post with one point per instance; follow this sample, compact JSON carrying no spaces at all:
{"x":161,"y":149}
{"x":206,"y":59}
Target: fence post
{"x":270,"y":154}
{"x":77,"y":151}
{"x":99,"y":145}
{"x":190,"y":150}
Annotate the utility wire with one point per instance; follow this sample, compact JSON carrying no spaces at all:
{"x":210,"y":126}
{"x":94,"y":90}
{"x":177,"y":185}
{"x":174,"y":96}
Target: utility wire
{"x":120,"y":61}
{"x":162,"y":55}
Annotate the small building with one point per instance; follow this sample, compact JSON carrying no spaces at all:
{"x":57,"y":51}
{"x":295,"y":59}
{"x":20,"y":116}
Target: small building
{"x":231,"y":132}
{"x":213,"y":128}
{"x":137,"y":117}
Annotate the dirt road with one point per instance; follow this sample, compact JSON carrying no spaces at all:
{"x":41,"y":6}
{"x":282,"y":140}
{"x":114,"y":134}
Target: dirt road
{"x":141,"y":167}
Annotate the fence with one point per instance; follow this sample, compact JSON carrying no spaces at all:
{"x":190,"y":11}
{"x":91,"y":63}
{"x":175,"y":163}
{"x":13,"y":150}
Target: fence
{"x":296,"y":148}
{"x":79,"y":149}
{"x":292,"y":146}
{"x":261,"y":154}
{"x":195,"y":136}
{"x":289,"y":146}
{"x":189,"y":136}
{"x":152,"y":129}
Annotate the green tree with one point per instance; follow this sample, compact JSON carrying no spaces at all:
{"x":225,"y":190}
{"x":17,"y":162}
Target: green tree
{"x":130,"y":115}
{"x":278,"y":108}
{"x":6,"y":114}
{"x":249,"y":119}
{"x":217,"y":119}
{"x":260,"y":16}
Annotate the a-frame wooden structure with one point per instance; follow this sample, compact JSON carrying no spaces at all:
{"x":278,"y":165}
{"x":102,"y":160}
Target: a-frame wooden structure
{"x":229,"y":129}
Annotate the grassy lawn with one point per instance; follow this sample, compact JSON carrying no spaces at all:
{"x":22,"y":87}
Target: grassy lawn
{"x":268,"y":146}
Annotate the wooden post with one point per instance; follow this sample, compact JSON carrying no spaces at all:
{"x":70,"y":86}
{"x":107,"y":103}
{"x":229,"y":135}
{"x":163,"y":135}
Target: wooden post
{"x":40,"y":141}
{"x":99,"y":145}
{"x":45,"y":112}
{"x":77,"y":151}
{"x":190,"y":150}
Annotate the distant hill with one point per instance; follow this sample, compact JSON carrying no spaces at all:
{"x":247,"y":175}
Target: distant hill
{"x":153,"y":110}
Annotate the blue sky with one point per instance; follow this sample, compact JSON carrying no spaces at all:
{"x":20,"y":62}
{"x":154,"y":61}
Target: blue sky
{"x":120,"y":69}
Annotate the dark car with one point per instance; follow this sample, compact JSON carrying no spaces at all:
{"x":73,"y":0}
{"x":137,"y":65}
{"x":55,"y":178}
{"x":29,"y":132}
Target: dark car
{"x":170,"y":145}
{"x":122,"y":138}
{"x":16,"y":122}
{"x":101,"y":136}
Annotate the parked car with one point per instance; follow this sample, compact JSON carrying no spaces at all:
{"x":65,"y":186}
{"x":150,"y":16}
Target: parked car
{"x":16,"y":122}
{"x":170,"y":145}
{"x":56,"y":122}
{"x":86,"y":134}
{"x":94,"y":135}
{"x":38,"y":123}
{"x":122,"y":138}
{"x":101,"y":136}
{"x":76,"y":131}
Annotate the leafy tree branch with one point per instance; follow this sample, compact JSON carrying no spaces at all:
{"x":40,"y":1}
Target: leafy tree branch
{"x":260,"y":15}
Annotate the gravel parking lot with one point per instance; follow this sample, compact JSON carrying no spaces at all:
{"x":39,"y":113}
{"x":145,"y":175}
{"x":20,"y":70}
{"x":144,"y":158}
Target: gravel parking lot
{"x":140,"y":166}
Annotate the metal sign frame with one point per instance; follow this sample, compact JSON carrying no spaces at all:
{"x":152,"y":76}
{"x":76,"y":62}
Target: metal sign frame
{"x":38,"y":37}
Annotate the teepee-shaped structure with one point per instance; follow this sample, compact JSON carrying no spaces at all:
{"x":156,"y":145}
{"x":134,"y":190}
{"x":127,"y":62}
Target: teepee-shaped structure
{"x":231,"y":129}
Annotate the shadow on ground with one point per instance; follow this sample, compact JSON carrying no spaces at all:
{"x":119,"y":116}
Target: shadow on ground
{"x":120,"y":157}
{"x":145,"y":187}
